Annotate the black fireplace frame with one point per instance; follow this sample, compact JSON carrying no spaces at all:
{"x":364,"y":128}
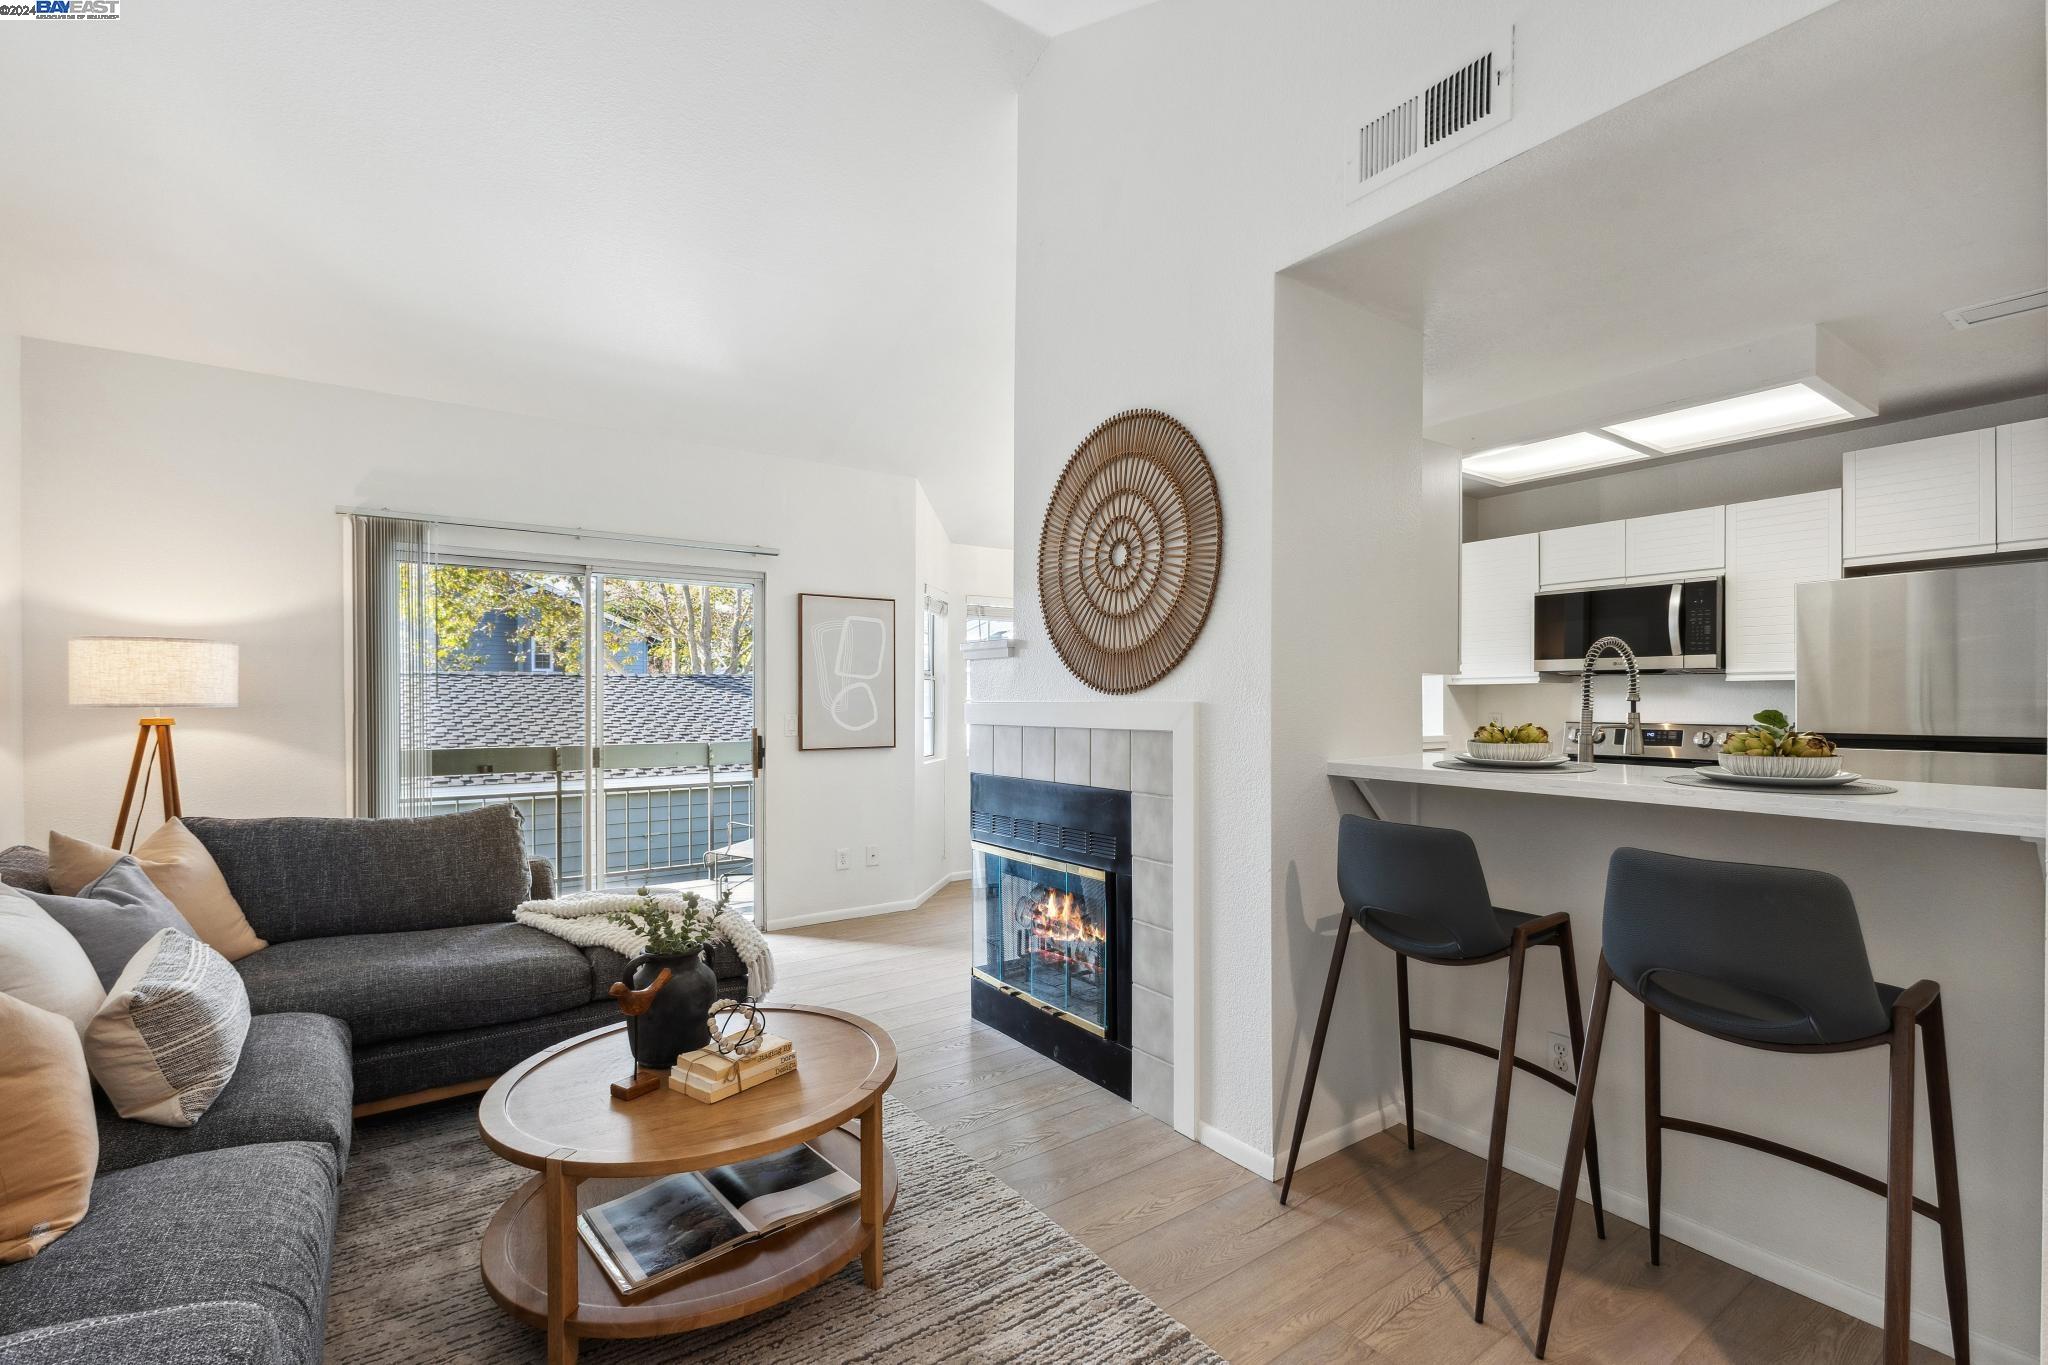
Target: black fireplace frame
{"x":1089,"y":827}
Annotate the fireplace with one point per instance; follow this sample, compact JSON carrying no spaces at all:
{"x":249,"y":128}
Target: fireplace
{"x":1052,"y":921}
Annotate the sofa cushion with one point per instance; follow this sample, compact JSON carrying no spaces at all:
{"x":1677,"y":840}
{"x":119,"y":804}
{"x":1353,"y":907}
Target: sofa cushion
{"x":41,"y":963}
{"x":113,"y":915}
{"x":292,"y":1085}
{"x":49,"y":1144}
{"x":188,"y":1334}
{"x":299,"y":877}
{"x":386,"y":986}
{"x":405,"y":1065}
{"x":178,"y":865}
{"x":25,"y":867}
{"x":166,"y":1043}
{"x":248,"y":1225}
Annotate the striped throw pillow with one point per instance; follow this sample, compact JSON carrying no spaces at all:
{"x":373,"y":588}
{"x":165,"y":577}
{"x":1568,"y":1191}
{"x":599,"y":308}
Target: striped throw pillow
{"x":165,"y":1043}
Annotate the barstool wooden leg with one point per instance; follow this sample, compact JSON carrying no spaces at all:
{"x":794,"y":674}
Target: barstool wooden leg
{"x":1941,"y":1121}
{"x":1575,"y":1147}
{"x":1898,"y":1221}
{"x":1315,"y":1051}
{"x":1653,"y":1129}
{"x":1568,"y":962}
{"x":1497,"y":1142}
{"x":1407,"y":1048}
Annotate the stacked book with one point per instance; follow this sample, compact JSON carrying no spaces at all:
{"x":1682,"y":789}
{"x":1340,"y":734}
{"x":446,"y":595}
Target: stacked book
{"x":710,"y":1076}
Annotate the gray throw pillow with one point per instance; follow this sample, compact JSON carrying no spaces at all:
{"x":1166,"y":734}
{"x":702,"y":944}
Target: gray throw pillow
{"x":113,"y":916}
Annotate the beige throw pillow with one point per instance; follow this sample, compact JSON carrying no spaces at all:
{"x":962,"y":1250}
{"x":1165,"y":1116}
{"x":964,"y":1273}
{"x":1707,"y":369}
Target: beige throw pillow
{"x":49,"y":1141}
{"x":178,"y":865}
{"x":166,"y":1043}
{"x":42,"y":964}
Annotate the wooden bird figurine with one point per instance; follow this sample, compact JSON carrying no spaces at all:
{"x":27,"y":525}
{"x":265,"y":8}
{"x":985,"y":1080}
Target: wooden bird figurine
{"x":633,"y":1004}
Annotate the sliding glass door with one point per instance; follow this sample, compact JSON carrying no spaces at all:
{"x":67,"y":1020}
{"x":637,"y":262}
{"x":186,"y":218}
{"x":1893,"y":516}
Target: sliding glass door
{"x":677,"y":720}
{"x":616,"y":708}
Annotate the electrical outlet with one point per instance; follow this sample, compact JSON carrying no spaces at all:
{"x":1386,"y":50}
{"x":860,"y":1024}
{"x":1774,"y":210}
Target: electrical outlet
{"x":843,"y":859}
{"x":1561,"y":1055}
{"x":874,"y":855}
{"x":789,"y":726}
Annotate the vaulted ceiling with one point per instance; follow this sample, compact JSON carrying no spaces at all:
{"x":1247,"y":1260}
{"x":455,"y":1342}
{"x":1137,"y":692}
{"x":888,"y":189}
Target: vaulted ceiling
{"x":784,"y":228}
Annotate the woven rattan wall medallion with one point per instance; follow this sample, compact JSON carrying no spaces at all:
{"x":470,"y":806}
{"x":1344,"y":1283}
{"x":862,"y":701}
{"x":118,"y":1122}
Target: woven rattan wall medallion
{"x":1130,"y":552}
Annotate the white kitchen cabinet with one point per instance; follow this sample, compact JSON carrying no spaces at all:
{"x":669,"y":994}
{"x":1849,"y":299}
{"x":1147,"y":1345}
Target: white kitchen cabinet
{"x":1497,"y":610}
{"x":1677,"y":544}
{"x":1576,"y":556}
{"x":1930,"y":499}
{"x":1773,"y":545}
{"x":2023,"y":485}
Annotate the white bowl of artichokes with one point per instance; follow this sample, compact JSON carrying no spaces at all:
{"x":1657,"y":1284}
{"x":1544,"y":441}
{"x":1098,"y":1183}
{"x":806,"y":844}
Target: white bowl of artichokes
{"x":1526,"y":743}
{"x":1774,"y":747}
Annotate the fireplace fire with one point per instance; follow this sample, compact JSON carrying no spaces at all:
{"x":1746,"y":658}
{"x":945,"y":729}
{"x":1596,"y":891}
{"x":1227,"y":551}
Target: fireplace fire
{"x":1054,"y":926}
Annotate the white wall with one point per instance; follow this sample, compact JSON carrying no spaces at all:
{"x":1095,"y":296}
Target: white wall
{"x":164,"y":497}
{"x":11,"y":803}
{"x":1353,"y":482}
{"x":950,"y":573}
{"x":1171,"y":160}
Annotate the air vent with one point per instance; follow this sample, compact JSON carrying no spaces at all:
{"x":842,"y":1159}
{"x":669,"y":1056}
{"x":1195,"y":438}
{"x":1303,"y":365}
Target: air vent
{"x":1430,"y":122}
{"x":1997,"y":310}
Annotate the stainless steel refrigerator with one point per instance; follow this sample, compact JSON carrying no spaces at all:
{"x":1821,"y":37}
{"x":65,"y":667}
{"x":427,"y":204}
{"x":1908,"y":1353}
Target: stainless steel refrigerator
{"x":1934,"y":676}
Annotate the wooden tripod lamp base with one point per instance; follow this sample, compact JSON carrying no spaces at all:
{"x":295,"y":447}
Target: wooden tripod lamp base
{"x":158,"y":729}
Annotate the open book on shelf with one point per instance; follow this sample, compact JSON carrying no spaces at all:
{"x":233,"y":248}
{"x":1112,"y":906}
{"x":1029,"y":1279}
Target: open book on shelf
{"x":663,"y":1230}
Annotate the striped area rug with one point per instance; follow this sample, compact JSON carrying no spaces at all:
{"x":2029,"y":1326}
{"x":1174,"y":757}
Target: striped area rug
{"x":975,"y":1272}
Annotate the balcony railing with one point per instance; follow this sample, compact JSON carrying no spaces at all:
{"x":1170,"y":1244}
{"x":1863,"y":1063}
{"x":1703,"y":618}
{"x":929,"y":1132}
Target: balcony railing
{"x":666,"y":818}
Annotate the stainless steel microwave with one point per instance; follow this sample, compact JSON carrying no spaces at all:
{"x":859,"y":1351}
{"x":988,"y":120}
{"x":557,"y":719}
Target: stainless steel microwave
{"x":1673,"y":627}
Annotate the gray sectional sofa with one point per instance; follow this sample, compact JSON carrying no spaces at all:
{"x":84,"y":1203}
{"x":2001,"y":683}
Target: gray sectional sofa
{"x":394,"y":968}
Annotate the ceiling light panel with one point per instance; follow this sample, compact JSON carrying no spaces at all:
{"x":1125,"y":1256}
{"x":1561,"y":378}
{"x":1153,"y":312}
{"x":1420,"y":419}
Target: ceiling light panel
{"x":1573,"y":454}
{"x":1769,"y":412}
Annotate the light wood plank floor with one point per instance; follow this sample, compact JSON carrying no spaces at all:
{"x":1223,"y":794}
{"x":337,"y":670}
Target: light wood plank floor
{"x":1373,"y":1259}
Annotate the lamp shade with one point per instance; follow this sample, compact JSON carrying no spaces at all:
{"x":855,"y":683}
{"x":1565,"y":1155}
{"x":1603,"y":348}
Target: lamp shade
{"x":131,"y":670}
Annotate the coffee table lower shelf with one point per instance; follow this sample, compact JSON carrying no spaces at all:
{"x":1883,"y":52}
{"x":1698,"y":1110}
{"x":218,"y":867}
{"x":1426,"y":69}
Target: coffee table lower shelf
{"x":757,"y":1276}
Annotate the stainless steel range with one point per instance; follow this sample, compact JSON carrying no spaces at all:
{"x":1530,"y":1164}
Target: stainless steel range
{"x":1690,"y":744}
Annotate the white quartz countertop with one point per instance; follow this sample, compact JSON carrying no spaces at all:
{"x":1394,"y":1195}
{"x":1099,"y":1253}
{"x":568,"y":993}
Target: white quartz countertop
{"x":2021,"y":814}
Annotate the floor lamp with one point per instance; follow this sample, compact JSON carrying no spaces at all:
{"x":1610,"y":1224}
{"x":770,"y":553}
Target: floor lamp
{"x":155,"y":674}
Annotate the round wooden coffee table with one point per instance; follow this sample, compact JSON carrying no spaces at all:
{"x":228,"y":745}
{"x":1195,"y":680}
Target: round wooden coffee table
{"x":554,"y":1114}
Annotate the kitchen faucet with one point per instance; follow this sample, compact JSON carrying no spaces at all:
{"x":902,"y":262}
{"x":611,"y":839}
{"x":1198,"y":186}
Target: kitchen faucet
{"x":1633,"y":744}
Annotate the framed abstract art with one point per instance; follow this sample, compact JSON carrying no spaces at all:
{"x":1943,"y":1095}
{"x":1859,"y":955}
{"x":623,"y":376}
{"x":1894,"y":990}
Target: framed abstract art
{"x":846,"y":671}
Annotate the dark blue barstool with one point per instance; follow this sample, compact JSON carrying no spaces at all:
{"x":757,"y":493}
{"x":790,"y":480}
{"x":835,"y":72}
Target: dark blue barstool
{"x":1420,"y":891}
{"x":1773,"y":958}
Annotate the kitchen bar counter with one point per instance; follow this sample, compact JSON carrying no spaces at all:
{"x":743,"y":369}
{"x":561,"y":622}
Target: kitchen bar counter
{"x":2014,"y":812}
{"x":1948,"y":886}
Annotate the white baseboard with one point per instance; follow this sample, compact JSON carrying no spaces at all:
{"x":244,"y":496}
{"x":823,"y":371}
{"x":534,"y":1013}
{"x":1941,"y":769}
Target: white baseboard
{"x":1314,"y":1148}
{"x":777,"y":923}
{"x":1235,"y":1150}
{"x":1814,"y":1283}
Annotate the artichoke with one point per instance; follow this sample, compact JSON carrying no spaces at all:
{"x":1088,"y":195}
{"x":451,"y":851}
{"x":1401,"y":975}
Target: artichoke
{"x":1801,"y":744}
{"x":1490,"y":733}
{"x":1530,"y":733}
{"x":1758,"y":742}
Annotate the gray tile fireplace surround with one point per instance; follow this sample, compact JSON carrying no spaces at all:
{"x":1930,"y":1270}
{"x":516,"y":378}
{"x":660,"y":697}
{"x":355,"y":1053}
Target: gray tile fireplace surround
{"x":1141,"y":763}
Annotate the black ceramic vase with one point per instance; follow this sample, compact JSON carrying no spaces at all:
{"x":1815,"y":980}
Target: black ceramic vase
{"x":677,"y":1020}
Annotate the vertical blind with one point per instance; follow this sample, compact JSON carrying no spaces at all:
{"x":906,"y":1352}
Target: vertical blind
{"x":391,"y":665}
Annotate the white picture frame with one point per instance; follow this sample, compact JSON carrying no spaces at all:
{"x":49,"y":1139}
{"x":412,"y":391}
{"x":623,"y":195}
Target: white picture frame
{"x":846,"y":672}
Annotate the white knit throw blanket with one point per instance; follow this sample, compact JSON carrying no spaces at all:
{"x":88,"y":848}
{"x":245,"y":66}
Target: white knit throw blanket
{"x":579,"y":918}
